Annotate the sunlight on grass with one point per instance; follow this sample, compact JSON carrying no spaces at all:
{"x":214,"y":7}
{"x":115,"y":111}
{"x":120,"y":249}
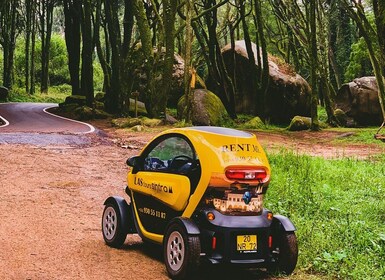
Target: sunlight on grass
{"x":339,"y":211}
{"x":56,"y":94}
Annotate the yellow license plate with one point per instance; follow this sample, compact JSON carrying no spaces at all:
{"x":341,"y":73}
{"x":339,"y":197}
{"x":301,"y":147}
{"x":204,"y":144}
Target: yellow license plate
{"x":246,"y":243}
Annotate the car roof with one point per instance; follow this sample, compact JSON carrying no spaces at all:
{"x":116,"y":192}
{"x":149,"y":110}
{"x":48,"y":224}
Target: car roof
{"x":220,"y":131}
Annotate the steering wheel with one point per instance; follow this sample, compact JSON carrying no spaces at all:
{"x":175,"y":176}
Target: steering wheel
{"x":175,"y":163}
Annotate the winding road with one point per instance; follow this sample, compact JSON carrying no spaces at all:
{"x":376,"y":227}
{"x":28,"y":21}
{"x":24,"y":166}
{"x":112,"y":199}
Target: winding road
{"x":31,"y":123}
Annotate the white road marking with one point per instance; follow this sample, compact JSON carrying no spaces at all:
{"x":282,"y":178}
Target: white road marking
{"x":92,"y":129}
{"x":6,"y":123}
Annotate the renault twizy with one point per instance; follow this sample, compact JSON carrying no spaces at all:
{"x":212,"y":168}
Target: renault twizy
{"x":198,"y":192}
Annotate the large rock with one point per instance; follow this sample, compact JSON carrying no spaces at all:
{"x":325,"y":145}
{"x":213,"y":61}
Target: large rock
{"x":359,"y":101}
{"x":288,"y":93}
{"x":3,"y":93}
{"x":207,"y":109}
{"x":177,"y":82}
{"x":299,"y":123}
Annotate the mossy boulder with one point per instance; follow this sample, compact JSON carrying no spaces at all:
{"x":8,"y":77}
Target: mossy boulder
{"x":207,"y":109}
{"x":140,"y":105}
{"x":87,"y":113}
{"x":288,"y":94}
{"x":359,"y":101}
{"x":341,"y":117}
{"x":132,"y":122}
{"x":4,"y":92}
{"x":126,"y":122}
{"x":76,"y":99}
{"x":254,"y":123}
{"x":299,"y":123}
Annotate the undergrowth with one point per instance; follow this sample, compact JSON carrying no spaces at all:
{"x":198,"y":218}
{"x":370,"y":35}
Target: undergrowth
{"x":338,"y":209}
{"x":56,"y":94}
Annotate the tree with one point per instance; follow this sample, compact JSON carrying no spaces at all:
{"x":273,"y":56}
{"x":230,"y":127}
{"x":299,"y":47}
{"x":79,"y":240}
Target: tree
{"x":313,"y":65}
{"x":87,"y":78}
{"x":9,"y":17}
{"x":46,"y":20}
{"x":147,"y":49}
{"x":72,"y":18}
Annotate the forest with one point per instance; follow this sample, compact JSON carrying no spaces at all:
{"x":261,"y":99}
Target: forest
{"x":256,"y":65}
{"x":123,"y":47}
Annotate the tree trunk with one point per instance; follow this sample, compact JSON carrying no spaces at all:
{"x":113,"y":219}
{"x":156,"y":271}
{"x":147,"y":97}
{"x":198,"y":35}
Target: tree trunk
{"x":46,"y":21}
{"x":113,"y":103}
{"x":101,"y":55}
{"x":87,"y":81}
{"x":33,"y":47}
{"x":264,"y":78}
{"x":169,"y":16}
{"x":72,"y":17}
{"x":125,"y":63}
{"x":28,"y":27}
{"x":9,"y":18}
{"x":313,"y":65}
{"x":187,"y":62}
{"x":147,"y":49}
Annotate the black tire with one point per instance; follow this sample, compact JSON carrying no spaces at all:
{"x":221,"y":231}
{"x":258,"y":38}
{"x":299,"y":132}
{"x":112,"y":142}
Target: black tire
{"x":113,"y":232}
{"x":288,"y":253}
{"x":181,"y":252}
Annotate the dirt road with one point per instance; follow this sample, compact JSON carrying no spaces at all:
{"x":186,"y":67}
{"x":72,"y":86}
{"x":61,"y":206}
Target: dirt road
{"x":51,"y":204}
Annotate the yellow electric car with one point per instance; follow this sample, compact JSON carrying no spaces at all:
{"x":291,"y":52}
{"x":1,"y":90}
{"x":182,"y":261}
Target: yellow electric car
{"x":198,"y":192}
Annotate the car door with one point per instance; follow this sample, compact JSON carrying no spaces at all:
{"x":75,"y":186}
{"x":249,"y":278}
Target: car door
{"x":161,"y":185}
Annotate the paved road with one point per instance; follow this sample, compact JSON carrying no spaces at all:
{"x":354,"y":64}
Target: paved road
{"x":30,"y":123}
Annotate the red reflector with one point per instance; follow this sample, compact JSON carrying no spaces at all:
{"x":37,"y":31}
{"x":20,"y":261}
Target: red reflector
{"x":247,"y":174}
{"x":214,"y":243}
{"x":270,"y":241}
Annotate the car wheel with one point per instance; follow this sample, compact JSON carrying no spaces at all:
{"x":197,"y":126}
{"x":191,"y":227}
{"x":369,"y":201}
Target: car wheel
{"x":288,"y":253}
{"x":113,"y":233}
{"x":181,"y":252}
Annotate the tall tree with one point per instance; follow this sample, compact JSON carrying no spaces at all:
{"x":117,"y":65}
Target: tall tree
{"x":147,"y":49}
{"x":313,"y":67}
{"x":8,"y":32}
{"x":46,"y":20}
{"x":72,"y":18}
{"x":169,"y":17}
{"x":113,"y":102}
{"x":87,"y":76}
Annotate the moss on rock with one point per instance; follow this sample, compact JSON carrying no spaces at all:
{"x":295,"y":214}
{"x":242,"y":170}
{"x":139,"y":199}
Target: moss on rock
{"x":207,"y":109}
{"x":254,"y":123}
{"x":299,"y":123}
{"x":341,"y":117}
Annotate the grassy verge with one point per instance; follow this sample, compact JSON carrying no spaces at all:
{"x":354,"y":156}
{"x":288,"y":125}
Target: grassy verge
{"x":56,"y":94}
{"x":338,"y":207}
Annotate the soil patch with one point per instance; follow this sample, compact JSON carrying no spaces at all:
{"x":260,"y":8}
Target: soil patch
{"x":52,"y":198}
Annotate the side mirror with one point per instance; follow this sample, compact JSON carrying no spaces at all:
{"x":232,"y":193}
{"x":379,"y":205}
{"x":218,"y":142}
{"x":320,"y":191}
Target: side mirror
{"x":134,"y":161}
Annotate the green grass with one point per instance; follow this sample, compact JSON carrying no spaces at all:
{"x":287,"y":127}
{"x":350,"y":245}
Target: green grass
{"x":357,"y":135}
{"x":338,"y":207}
{"x":56,"y":94}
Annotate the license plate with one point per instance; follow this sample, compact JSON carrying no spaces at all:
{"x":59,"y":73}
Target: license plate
{"x":246,"y":243}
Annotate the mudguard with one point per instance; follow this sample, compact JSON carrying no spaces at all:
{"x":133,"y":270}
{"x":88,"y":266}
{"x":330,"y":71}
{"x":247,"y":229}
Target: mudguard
{"x":189,"y":225}
{"x":125,"y":211}
{"x":285,"y":222}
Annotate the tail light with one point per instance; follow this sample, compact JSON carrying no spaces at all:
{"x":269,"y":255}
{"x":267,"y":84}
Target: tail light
{"x":258,"y":174}
{"x":214,"y":243}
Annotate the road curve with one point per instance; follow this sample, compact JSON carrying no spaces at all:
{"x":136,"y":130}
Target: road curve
{"x":34,"y":118}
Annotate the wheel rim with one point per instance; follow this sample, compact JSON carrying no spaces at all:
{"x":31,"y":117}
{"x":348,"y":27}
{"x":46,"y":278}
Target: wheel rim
{"x":110,"y":223}
{"x":175,"y":250}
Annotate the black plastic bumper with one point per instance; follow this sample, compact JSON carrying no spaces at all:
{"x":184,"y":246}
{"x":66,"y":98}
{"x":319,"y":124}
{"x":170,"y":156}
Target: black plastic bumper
{"x":225,"y":229}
